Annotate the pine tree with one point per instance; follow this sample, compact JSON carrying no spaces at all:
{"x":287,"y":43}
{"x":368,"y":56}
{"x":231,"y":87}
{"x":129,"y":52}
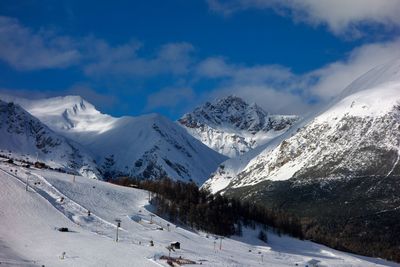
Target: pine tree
{"x":109,"y":167}
{"x":239,"y":230}
{"x":263,"y":236}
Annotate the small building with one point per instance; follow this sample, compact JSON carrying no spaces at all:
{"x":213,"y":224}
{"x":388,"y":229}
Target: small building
{"x":175,"y":245}
{"x":40,"y":165}
{"x":313,"y":263}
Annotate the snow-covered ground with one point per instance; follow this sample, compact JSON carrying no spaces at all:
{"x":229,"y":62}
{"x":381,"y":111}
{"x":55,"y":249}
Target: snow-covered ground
{"x":28,"y":234}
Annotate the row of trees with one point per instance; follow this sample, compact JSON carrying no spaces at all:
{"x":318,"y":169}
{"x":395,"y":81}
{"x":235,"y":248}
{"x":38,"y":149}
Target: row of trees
{"x":185,"y":203}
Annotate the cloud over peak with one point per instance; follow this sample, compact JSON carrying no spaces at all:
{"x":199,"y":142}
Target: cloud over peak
{"x":340,"y":16}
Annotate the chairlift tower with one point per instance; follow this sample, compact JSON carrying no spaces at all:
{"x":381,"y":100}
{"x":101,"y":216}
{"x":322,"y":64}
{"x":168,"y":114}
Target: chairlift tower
{"x":26,"y":183}
{"x":118,"y":221}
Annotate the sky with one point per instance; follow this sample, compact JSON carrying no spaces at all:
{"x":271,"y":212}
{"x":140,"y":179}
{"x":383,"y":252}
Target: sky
{"x":136,"y":57}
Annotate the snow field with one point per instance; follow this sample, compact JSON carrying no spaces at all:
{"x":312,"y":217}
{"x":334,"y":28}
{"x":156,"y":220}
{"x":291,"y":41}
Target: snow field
{"x":28,"y":221}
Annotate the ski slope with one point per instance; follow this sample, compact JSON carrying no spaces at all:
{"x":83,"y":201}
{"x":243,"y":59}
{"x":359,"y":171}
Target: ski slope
{"x":28,"y":235}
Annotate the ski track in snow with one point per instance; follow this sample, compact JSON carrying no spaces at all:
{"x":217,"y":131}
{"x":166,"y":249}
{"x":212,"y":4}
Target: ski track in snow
{"x":81,"y":195}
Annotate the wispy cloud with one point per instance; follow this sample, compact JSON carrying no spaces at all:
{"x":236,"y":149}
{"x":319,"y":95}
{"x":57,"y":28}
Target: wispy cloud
{"x":340,"y":16}
{"x":25,"y":49}
{"x":269,"y":98}
{"x":99,"y":99}
{"x":217,"y":67}
{"x":170,"y":97}
{"x":102,"y":100}
{"x":331,"y":79}
{"x":278,"y":89}
{"x":172,"y":58}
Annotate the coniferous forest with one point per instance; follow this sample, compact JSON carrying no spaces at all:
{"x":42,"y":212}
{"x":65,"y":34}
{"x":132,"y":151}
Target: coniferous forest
{"x":187,"y":204}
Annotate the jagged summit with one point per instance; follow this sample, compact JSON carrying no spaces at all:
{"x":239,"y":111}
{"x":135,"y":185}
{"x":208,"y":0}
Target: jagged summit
{"x":232,"y":127}
{"x":230,"y":111}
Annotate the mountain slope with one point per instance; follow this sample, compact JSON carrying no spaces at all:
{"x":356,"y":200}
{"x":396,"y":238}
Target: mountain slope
{"x":357,"y":133}
{"x":340,"y":171}
{"x":26,"y":138}
{"x":149,"y":146}
{"x":232,"y":127}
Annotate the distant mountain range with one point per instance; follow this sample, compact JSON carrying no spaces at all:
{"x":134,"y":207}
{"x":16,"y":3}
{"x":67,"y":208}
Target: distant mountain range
{"x":149,"y":146}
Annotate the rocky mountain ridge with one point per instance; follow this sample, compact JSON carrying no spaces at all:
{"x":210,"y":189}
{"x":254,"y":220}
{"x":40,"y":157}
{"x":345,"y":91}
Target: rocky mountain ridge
{"x":232,"y":127}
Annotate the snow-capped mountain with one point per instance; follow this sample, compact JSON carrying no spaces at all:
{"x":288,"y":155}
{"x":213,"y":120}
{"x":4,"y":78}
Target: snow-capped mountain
{"x":70,"y":115}
{"x":357,"y":135}
{"x":148,"y":146}
{"x":26,"y":138}
{"x":339,"y":171}
{"x":232,"y":127}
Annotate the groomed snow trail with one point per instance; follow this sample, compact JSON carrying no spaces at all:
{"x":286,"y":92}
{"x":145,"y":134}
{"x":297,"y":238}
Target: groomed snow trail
{"x":34,"y":215}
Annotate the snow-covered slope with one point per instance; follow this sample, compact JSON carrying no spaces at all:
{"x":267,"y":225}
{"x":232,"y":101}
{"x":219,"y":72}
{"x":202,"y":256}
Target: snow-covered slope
{"x":29,"y":220}
{"x":68,"y":114}
{"x":358,"y":135}
{"x":232,"y":127}
{"x":26,"y":138}
{"x":148,"y":146}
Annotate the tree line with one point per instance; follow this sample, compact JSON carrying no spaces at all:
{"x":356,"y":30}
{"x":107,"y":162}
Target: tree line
{"x":187,"y":204}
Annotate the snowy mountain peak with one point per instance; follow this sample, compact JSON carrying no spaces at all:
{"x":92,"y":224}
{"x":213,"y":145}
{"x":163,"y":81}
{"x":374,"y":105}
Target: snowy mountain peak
{"x":66,"y":114}
{"x":24,"y":137}
{"x":371,"y":95}
{"x":232,"y":127}
{"x":385,"y":73}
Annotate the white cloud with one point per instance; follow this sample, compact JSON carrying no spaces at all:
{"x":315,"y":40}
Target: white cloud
{"x":172,"y":58}
{"x":339,"y":15}
{"x":26,"y":50}
{"x":169,"y":98}
{"x":278,"y":89}
{"x":334,"y":77}
{"x":102,"y":100}
{"x":214,"y":67}
{"x":98,"y":99}
{"x":217,"y":67}
{"x":273,"y":87}
{"x":270,"y":99}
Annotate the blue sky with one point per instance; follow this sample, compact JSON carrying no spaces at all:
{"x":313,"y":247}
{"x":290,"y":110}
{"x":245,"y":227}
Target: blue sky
{"x":134,"y":57}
